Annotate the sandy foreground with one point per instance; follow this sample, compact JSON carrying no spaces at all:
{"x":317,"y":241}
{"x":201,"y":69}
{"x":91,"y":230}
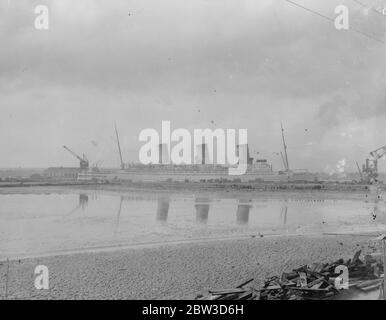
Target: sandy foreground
{"x":173,"y":271}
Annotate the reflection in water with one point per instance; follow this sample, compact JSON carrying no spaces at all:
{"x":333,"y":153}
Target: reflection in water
{"x":163,"y":208}
{"x":34,"y":223}
{"x":243,"y":208}
{"x":94,"y":196}
{"x":283,"y":214}
{"x":83,"y":202}
{"x":118,"y":216}
{"x":202,"y":209}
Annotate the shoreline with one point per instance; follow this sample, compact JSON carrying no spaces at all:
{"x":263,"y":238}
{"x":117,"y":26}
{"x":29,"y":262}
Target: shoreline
{"x":177,"y":242}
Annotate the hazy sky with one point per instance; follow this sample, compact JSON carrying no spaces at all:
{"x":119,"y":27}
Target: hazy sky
{"x":242,"y":64}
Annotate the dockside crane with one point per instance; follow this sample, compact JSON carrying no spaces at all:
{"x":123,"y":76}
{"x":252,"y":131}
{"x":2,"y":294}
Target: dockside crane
{"x":282,"y":159}
{"x":370,"y":168}
{"x":83,"y":162}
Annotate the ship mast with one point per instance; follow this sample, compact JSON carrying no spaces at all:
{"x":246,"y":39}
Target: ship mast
{"x":282,"y":159}
{"x":285,"y":148}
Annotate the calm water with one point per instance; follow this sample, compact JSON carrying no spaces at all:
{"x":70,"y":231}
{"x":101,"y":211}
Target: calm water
{"x":34,"y":224}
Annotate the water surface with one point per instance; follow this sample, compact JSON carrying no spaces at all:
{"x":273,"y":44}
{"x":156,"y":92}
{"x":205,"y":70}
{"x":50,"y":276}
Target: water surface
{"x":38,"y":224}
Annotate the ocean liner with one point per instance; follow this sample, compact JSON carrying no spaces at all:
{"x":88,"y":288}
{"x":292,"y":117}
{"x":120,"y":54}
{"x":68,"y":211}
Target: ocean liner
{"x":258,"y":170}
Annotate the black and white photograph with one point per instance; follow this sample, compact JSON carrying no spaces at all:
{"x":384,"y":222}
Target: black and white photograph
{"x":192,"y":150}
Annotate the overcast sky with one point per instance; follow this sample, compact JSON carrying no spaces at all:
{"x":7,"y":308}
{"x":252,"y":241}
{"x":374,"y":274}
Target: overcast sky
{"x":241,"y":64}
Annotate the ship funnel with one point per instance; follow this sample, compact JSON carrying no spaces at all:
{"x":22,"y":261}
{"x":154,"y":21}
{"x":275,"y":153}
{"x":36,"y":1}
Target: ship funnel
{"x":163,"y":154}
{"x":242,"y":215}
{"x":241,"y":148}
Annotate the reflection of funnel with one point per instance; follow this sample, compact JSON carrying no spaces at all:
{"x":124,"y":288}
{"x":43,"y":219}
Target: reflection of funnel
{"x":163,"y":209}
{"x":242,"y":215}
{"x":202,"y":212}
{"x":202,"y":209}
{"x":83,"y":200}
{"x":242,"y":151}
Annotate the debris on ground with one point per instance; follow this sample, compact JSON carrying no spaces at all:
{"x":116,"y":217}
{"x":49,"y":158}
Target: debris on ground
{"x":314,"y":282}
{"x":318,"y":281}
{"x":241,"y":292}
